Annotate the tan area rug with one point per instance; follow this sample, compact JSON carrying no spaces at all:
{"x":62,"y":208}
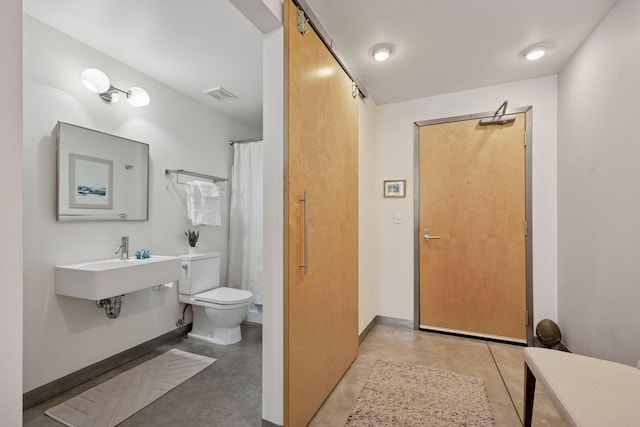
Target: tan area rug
{"x":113,"y":401}
{"x":401,"y":394}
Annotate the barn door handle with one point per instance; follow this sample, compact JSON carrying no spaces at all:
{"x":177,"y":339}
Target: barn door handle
{"x":427,"y":237}
{"x":305,"y":261}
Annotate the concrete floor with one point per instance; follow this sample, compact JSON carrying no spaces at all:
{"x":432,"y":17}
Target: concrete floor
{"x":501,"y":366}
{"x":228,"y":393}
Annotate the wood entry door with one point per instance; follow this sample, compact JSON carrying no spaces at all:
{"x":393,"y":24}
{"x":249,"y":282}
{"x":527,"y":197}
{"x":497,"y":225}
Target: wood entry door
{"x":321,"y":188}
{"x":472,"y":248}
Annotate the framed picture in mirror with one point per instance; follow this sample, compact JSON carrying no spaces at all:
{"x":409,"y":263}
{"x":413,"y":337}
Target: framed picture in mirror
{"x":90,"y":182}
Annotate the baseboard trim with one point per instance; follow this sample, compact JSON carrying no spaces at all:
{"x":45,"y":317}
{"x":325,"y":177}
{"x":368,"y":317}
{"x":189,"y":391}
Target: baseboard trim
{"x":383,"y":320}
{"x":366,"y":331}
{"x":266,"y":423}
{"x":49,"y":390}
{"x":394,"y":321}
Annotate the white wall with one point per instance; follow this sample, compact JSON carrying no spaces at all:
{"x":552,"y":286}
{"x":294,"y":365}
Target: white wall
{"x":599,"y":191}
{"x":395,"y":154}
{"x":368,"y":193}
{"x":11,"y":213}
{"x":273,"y":254}
{"x":74,"y":333}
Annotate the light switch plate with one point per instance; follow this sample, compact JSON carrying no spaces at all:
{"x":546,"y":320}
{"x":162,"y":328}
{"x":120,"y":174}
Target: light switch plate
{"x":397,"y":218}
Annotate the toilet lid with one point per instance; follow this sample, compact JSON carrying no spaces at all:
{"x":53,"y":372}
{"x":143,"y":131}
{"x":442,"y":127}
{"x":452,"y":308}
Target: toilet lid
{"x":225,"y":296}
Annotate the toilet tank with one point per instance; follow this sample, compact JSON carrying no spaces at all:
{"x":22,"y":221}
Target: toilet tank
{"x":200,"y":272}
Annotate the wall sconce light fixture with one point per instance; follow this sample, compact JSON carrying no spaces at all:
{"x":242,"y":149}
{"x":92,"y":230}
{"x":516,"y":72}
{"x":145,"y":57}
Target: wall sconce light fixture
{"x":98,"y":82}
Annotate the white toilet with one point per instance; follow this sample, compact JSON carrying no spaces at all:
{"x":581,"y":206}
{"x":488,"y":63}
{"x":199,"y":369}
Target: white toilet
{"x":217,"y":311}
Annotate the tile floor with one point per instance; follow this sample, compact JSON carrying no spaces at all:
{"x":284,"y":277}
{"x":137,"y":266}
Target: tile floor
{"x":500,"y":365}
{"x":228,"y":393}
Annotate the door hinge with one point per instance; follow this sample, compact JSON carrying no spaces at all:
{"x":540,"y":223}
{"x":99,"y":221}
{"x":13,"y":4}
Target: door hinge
{"x":302,"y":22}
{"x":526,"y":139}
{"x":526,"y":318}
{"x":354,"y":89}
{"x":526,"y":228}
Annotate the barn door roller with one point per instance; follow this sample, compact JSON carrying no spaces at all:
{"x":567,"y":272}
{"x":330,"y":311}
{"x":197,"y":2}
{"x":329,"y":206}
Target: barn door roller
{"x":306,"y":16}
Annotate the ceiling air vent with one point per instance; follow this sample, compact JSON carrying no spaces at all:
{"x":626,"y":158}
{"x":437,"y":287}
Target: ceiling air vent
{"x":221,"y":94}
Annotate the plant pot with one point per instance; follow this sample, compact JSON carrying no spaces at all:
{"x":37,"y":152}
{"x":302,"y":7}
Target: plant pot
{"x":192,"y":250}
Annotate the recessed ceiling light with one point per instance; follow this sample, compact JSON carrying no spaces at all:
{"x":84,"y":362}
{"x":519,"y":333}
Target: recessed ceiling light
{"x":381,"y":54}
{"x":537,"y":51}
{"x":382,"y":51}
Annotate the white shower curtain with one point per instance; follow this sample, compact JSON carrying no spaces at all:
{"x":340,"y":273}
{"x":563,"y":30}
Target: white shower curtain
{"x":245,"y":223}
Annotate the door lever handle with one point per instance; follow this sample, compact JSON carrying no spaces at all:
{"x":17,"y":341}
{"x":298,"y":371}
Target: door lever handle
{"x":305,"y":235}
{"x":427,"y":237}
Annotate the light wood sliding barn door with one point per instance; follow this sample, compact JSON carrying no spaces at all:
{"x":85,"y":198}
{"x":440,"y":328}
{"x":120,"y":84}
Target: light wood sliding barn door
{"x":321,"y":210}
{"x":472,"y":228}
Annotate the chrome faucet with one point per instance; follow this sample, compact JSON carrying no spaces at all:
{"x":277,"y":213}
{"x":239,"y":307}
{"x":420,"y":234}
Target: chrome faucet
{"x":123,"y":249}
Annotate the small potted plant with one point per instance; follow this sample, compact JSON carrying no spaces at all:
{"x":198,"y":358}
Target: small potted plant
{"x":192,"y":237}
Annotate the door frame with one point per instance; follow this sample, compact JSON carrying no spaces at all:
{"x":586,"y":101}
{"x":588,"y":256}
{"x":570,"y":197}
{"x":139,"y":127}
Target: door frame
{"x":528,"y":112}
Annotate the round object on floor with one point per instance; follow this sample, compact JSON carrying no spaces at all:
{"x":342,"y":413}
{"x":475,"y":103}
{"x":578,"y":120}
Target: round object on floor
{"x":548,"y":332}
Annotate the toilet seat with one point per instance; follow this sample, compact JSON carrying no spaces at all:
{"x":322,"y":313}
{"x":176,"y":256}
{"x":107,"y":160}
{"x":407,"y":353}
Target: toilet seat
{"x":224,"y":296}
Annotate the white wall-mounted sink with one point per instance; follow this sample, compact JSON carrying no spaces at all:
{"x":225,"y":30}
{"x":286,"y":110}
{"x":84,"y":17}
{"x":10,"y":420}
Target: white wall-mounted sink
{"x":98,"y":280}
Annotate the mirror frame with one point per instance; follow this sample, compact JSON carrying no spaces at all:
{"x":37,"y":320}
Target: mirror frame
{"x":96,"y":209}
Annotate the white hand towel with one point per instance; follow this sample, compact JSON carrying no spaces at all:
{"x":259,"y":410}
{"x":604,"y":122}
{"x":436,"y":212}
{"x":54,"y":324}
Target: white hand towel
{"x":203,"y":203}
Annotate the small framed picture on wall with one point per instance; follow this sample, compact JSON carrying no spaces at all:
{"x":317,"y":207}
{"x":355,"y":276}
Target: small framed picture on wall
{"x":395,"y":188}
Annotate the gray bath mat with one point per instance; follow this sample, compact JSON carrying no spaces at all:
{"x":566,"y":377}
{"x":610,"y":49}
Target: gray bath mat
{"x":113,"y":401}
{"x":402,"y":394}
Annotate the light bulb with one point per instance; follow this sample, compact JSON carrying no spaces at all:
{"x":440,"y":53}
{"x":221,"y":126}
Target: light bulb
{"x":536,"y":53}
{"x":138,"y":97}
{"x":382,"y":54}
{"x":95,"y":80}
{"x":382,"y":51}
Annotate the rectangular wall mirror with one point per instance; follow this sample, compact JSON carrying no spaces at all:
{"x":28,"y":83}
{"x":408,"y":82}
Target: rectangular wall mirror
{"x":101,"y":177}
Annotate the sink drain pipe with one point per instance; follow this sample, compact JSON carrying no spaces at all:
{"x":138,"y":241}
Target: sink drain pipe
{"x":111,"y":306}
